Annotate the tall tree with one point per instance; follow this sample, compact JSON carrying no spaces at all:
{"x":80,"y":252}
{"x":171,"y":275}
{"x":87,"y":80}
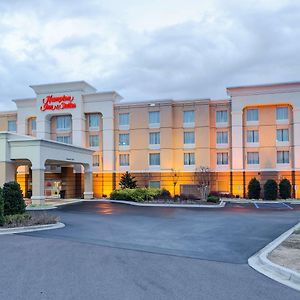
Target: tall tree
{"x":127,"y":181}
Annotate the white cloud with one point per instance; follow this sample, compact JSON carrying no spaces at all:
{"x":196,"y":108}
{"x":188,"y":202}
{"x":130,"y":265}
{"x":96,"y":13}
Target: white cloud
{"x":148,"y":49}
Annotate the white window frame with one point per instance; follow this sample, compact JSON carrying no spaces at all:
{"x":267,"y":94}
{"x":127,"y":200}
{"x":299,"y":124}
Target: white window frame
{"x":91,"y":137}
{"x":150,"y":162}
{"x":64,"y":118}
{"x":124,"y":160}
{"x":189,"y":159}
{"x":222,"y":162}
{"x":188,"y":121}
{"x":94,"y":115}
{"x":14,"y":122}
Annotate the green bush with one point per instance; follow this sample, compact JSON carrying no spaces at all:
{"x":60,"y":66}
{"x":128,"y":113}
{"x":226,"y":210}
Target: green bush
{"x":16,"y":220}
{"x":270,"y":190}
{"x":254,"y":189}
{"x":1,"y":208}
{"x":213,"y":199}
{"x":139,"y":194}
{"x":285,"y":189}
{"x":13,"y":199}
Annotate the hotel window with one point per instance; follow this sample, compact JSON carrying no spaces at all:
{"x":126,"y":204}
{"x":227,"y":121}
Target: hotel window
{"x":94,"y":140}
{"x":283,"y":157}
{"x":189,"y":116}
{"x":154,"y":159}
{"x":124,"y":160}
{"x":96,"y":160}
{"x":94,"y":121}
{"x":282,"y":135}
{"x":252,"y":136}
{"x":12,"y":126}
{"x":282,"y":113}
{"x":222,"y":137}
{"x":154,"y":138}
{"x":221,"y":116}
{"x":189,"y":159}
{"x":189,"y":138}
{"x":252,"y":158}
{"x":63,"y":123}
{"x":124,"y":119}
{"x":252,"y":114}
{"x":222,"y":158}
{"x":124,"y":139}
{"x":33,"y":124}
{"x":154,"y":117}
{"x":64,"y":139}
{"x":154,"y":184}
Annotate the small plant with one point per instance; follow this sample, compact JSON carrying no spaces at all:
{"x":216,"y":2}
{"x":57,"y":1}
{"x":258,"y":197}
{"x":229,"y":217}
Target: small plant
{"x":127,"y":181}
{"x":213,"y":199}
{"x":254,"y":189}
{"x":104,"y":196}
{"x":270,"y":190}
{"x":13,"y":199}
{"x":285,"y":189}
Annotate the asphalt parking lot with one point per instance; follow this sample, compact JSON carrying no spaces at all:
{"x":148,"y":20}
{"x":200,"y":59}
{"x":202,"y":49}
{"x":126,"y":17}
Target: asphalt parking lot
{"x":116,"y":251}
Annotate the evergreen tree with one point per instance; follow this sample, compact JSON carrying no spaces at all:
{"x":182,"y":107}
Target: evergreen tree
{"x":127,"y":181}
{"x":13,"y":199}
{"x":270,"y":190}
{"x":285,"y":189}
{"x":254,"y":189}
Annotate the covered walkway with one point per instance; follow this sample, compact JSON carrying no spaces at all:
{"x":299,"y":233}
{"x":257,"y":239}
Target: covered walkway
{"x":16,"y":150}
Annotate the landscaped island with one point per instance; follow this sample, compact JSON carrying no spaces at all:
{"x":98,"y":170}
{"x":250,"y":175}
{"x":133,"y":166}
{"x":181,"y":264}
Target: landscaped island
{"x":13,"y":209}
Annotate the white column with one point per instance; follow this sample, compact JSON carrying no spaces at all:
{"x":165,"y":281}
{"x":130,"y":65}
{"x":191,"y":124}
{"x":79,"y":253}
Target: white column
{"x":78,"y":131}
{"x":43,"y":130}
{"x":296,"y":131}
{"x":38,"y":186}
{"x":88,"y":184}
{"x":108,"y":144}
{"x":237,"y":141}
{"x":8,"y":172}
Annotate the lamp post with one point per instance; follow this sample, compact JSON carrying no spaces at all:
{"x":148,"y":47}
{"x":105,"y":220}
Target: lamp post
{"x":175,"y":178}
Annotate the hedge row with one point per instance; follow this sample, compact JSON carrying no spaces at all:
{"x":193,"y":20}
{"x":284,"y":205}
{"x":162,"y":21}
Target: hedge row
{"x":139,"y":194}
{"x":270,"y":189}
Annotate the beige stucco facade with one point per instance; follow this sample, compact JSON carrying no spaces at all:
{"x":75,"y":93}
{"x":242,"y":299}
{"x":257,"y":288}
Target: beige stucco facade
{"x":166,"y":142}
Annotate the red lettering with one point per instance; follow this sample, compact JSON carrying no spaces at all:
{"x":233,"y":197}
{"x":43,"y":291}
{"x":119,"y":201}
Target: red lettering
{"x":57,"y":103}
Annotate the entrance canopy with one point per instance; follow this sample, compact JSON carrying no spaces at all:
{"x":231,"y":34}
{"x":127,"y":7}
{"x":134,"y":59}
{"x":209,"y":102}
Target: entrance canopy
{"x":16,"y":149}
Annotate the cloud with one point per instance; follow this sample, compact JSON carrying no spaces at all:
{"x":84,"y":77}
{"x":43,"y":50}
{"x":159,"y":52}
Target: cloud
{"x":143,"y":49}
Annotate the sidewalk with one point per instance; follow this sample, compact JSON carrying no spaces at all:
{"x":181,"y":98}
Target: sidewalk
{"x":280,"y":268}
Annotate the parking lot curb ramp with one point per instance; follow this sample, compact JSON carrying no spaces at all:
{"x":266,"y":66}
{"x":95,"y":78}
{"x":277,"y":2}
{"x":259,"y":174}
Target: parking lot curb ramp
{"x":262,"y":264}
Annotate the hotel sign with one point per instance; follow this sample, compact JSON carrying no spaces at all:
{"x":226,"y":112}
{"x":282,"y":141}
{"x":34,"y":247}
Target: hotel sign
{"x":57,"y":103}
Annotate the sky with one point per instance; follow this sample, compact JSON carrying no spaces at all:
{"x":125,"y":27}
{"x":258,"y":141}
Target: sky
{"x":144,"y":50}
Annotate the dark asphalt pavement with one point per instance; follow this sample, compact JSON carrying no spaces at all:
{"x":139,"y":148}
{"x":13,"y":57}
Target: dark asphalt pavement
{"x":115,"y":251}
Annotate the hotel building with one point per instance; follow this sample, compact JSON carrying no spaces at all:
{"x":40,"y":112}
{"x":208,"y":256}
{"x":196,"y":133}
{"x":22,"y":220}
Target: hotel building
{"x":70,"y":137}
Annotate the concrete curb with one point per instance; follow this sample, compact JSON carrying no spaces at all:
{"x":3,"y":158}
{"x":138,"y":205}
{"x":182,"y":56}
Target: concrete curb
{"x":262,"y":264}
{"x":37,"y":208}
{"x":31,"y":228}
{"x":220,"y":205}
{"x":236,"y":200}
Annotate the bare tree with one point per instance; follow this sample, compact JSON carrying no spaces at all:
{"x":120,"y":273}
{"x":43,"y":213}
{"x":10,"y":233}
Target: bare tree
{"x":203,"y":181}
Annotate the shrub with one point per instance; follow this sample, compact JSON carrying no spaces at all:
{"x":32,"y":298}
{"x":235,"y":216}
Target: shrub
{"x":29,"y":219}
{"x":285,"y":189}
{"x":138,"y":194}
{"x":127,"y":181}
{"x":213,"y":199}
{"x":254,"y":189}
{"x":270,"y":190}
{"x":1,"y":209}
{"x":13,"y":199}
